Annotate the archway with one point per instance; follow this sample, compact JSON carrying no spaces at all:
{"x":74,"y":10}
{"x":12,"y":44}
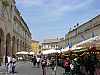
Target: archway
{"x":21,"y":45}
{"x":1,"y":44}
{"x":13,"y":46}
{"x":8,"y":45}
{"x":17,"y":45}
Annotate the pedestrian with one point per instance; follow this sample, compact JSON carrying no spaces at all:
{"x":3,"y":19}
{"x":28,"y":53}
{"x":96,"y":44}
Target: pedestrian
{"x":76,"y":66}
{"x":44,"y":64}
{"x":13,"y":64}
{"x":48,"y":62}
{"x":53,"y":63}
{"x":9,"y":64}
{"x":92,"y":62}
{"x":34,"y":61}
{"x":67,"y":65}
{"x":38,"y":62}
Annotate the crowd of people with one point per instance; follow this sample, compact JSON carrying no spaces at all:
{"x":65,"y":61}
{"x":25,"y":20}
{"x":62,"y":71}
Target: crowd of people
{"x":10,"y":63}
{"x":81,"y":65}
{"x":44,"y":61}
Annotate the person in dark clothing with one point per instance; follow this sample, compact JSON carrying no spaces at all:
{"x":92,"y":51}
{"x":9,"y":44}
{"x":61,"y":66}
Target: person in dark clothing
{"x":34,"y":61}
{"x":44,"y":64}
{"x":92,"y":63}
{"x":76,"y":68}
{"x":13,"y":64}
{"x":53,"y":63}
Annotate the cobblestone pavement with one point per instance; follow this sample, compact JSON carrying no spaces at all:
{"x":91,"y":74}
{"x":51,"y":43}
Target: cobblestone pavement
{"x":25,"y":68}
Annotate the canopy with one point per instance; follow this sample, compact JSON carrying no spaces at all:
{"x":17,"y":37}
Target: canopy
{"x":50,"y":51}
{"x":76,"y":48}
{"x":92,"y":41}
{"x":22,"y":52}
{"x":72,"y":49}
{"x":64,"y":50}
{"x":31,"y":53}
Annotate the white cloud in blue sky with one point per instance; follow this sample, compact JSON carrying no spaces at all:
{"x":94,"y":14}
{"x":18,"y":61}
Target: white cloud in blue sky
{"x":52,"y":17}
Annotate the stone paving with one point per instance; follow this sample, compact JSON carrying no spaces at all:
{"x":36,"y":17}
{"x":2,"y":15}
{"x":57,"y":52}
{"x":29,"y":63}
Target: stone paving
{"x":25,"y":68}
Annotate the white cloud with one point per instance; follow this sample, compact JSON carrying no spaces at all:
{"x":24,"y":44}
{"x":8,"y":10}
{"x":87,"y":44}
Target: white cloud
{"x":54,"y":9}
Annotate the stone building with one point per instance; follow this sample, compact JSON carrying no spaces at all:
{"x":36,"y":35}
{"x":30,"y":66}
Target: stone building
{"x":50,"y":43}
{"x":14,"y":32}
{"x":61,"y":43}
{"x":83,"y":32}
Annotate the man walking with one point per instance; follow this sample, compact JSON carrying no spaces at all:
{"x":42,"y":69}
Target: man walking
{"x":34,"y":61}
{"x":44,"y":64}
{"x":38,"y":62}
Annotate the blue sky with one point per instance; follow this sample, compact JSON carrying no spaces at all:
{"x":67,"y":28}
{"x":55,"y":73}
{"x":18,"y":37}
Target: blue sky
{"x":52,"y":18}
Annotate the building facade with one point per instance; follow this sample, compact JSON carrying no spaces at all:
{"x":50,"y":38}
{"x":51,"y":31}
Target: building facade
{"x":83,"y":32}
{"x":50,"y":44}
{"x":35,"y":46}
{"x":62,"y":43}
{"x":14,"y":32}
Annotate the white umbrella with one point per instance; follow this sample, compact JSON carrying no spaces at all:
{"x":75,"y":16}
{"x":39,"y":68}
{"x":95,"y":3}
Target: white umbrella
{"x":65,"y":49}
{"x":76,"y":48}
{"x":22,"y":52}
{"x":50,"y":51}
{"x":31,"y":53}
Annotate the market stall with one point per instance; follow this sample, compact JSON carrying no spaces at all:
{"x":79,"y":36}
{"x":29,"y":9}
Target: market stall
{"x":22,"y":55}
{"x":50,"y":51}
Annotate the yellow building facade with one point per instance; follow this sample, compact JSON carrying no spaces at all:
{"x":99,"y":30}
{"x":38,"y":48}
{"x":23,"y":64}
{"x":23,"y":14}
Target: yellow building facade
{"x":35,"y":46}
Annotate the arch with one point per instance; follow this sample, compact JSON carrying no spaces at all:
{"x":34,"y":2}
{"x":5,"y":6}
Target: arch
{"x":13,"y":46}
{"x":8,"y":45}
{"x":1,"y":43}
{"x":17,"y":45}
{"x":21,"y":44}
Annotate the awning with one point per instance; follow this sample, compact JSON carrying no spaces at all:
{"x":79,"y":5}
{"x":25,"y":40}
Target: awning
{"x":31,"y":53}
{"x":22,"y":52}
{"x":92,"y":41}
{"x":50,"y":51}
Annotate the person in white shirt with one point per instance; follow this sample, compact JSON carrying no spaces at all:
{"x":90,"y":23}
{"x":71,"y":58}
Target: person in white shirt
{"x":9,"y":64}
{"x":38,"y":62}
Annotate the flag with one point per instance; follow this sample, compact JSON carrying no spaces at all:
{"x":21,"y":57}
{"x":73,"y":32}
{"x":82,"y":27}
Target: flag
{"x":69,"y":45}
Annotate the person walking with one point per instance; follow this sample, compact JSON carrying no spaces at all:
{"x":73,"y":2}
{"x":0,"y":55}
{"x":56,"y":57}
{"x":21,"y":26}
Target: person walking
{"x":92,"y":62}
{"x":67,"y":66}
{"x":9,"y":64}
{"x":13,"y":64}
{"x":44,"y":64}
{"x":38,"y":62}
{"x":76,"y":67}
{"x":34,"y":61}
{"x":53,"y":63}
